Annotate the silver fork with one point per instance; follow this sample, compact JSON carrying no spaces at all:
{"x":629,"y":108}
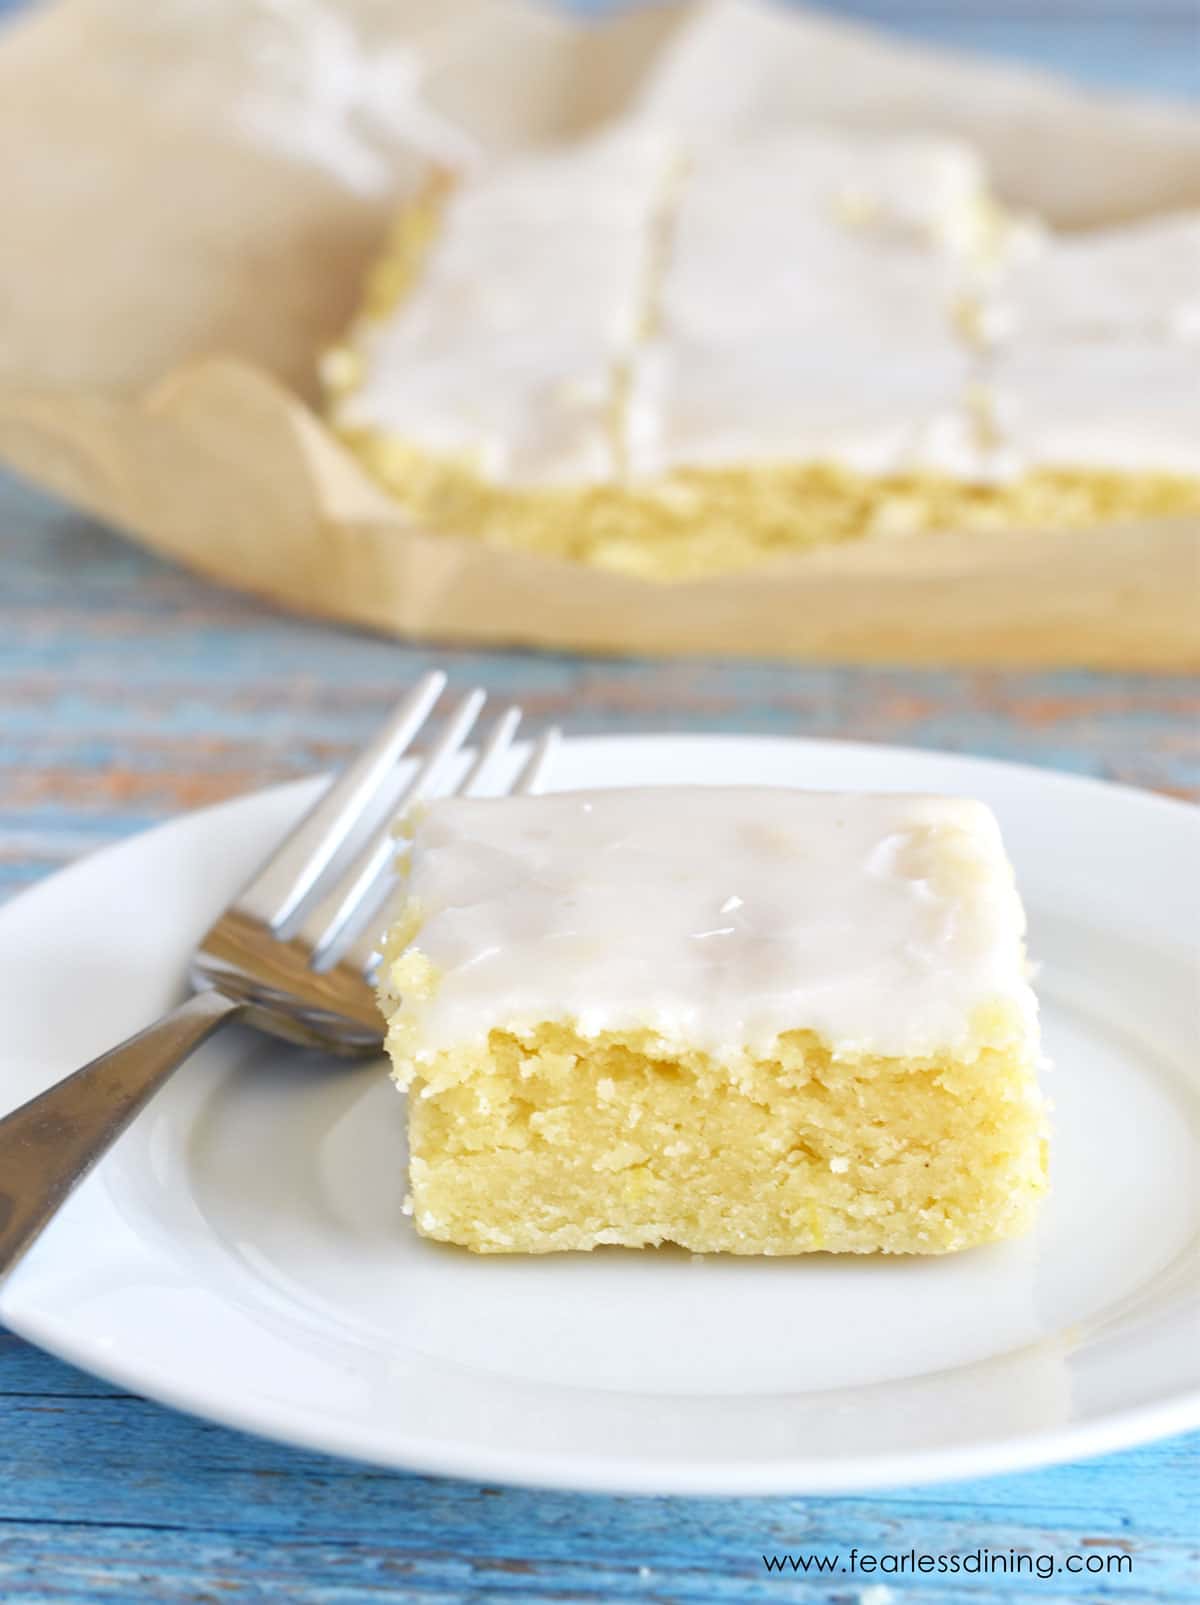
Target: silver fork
{"x":293,"y":954}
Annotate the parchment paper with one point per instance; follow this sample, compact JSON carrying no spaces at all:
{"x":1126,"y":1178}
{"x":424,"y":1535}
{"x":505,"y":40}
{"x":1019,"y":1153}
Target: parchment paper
{"x":191,"y":191}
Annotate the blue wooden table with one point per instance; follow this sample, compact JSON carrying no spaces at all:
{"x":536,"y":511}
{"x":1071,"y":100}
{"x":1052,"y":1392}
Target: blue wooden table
{"x":130,"y":691}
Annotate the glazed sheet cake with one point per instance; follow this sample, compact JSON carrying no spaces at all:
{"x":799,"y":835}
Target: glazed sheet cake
{"x":675,"y":361}
{"x":740,"y":1020}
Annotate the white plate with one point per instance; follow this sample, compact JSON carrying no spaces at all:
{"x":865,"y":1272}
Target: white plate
{"x":242,"y":1253}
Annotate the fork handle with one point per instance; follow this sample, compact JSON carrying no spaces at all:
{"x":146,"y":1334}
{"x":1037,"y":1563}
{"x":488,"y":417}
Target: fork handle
{"x":49,"y":1144}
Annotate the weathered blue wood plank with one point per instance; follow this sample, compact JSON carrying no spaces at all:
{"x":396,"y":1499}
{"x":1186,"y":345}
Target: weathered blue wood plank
{"x":1153,"y":47}
{"x":187,"y":1477}
{"x":1115,"y":44}
{"x":136,"y":690}
{"x":194,"y":1504}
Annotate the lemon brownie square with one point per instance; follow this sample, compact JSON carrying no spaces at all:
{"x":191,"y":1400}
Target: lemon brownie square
{"x":1091,"y":384}
{"x":740,"y":1020}
{"x":675,"y":358}
{"x":517,"y":377}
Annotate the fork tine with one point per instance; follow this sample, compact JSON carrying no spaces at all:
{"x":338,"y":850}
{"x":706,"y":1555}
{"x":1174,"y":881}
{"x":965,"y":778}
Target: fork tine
{"x":491,"y":751}
{"x":379,"y":859}
{"x":282,"y":885}
{"x":534,"y":772}
{"x":325,"y":923}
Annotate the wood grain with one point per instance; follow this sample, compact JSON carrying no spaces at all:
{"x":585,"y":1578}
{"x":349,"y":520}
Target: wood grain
{"x":130,"y":690}
{"x":118,"y":1499}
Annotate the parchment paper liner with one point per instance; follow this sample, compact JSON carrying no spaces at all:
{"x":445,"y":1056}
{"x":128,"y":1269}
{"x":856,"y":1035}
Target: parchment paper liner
{"x":212,"y":227}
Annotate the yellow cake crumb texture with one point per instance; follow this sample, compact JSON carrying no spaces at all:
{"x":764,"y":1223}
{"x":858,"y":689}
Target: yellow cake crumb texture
{"x":549,"y":1141}
{"x":696,"y":522}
